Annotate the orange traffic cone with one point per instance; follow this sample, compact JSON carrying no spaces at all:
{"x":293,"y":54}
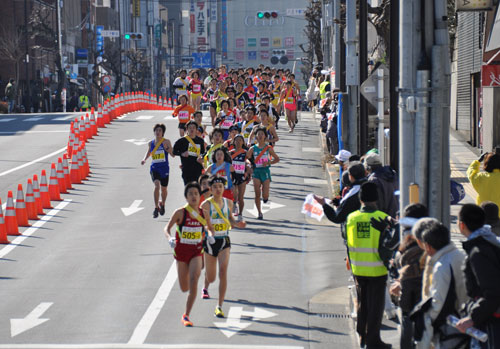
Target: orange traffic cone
{"x":93,"y":124}
{"x":38,"y":197}
{"x":88,"y":132}
{"x":3,"y":228}
{"x":60,"y":177}
{"x":83,"y":132}
{"x":105,"y":114}
{"x":21,"y":213}
{"x":54,"y":192}
{"x":30,"y":201}
{"x":80,"y":164}
{"x":10,"y":216}
{"x":85,"y":159}
{"x":75,"y":169}
{"x":44,"y":191}
{"x":100,"y":118}
{"x":67,"y":178}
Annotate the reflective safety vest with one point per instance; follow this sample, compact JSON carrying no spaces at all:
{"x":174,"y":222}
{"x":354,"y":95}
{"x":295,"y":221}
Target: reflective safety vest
{"x":322,"y":89}
{"x":363,"y":243}
{"x":84,"y":102}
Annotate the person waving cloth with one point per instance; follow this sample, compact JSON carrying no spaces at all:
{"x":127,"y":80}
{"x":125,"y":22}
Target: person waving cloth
{"x":190,"y":148}
{"x":183,"y":112}
{"x":288,"y":98}
{"x":264,"y":156}
{"x":242,"y":173}
{"x":217,"y":245}
{"x":223,"y":169}
{"x":188,"y":245}
{"x":196,"y":87}
{"x":158,"y":149}
{"x":225,"y":118}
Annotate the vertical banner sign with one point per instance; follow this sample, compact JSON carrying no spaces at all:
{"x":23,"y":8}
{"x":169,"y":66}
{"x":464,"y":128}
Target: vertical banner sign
{"x":240,"y":43}
{"x":201,"y":35}
{"x":289,"y":41}
{"x":213,"y":11}
{"x":224,"y":28}
{"x":136,"y":8}
{"x":276,"y":42}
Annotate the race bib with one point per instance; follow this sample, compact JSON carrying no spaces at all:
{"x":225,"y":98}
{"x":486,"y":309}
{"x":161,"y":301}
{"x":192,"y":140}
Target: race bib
{"x":183,"y":116}
{"x":262,"y":162}
{"x":220,"y":227}
{"x":191,"y":235}
{"x":227,"y":123}
{"x":289,"y":100}
{"x":193,"y":151}
{"x":239,"y":167}
{"x":159,"y":156}
{"x":196,"y":88}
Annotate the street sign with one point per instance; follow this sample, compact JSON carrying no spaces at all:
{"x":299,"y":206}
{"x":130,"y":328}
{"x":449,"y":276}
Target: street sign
{"x":110,"y":33}
{"x":106,"y":79}
{"x":370,"y":85}
{"x":202,"y":60}
{"x":106,"y":88}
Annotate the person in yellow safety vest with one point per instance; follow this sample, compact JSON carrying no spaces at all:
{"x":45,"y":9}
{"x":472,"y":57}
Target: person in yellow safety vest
{"x":324,"y":87}
{"x":83,"y":102}
{"x":370,"y":274}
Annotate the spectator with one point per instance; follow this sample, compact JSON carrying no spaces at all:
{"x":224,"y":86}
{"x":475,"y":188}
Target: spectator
{"x":482,"y":275}
{"x":387,"y":183}
{"x":331,"y":132}
{"x":407,"y":288}
{"x":350,"y":202}
{"x":446,"y":290}
{"x":343,"y":158}
{"x":486,"y":183}
{"x":370,"y":274}
{"x":491,"y":214}
{"x":10,"y":93}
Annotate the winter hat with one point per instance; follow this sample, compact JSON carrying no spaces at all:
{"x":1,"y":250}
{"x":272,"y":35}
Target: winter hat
{"x":373,"y":159}
{"x":343,"y":155}
{"x":491,"y":212}
{"x":368,"y":192}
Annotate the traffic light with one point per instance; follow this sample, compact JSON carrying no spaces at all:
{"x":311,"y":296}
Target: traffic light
{"x":279,"y":56}
{"x":134,"y":36}
{"x":267,"y":14}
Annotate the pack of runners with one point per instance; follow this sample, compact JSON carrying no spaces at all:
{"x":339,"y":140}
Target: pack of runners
{"x":245,"y":108}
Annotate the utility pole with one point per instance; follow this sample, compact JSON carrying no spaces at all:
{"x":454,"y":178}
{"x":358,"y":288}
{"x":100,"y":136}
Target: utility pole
{"x":120,"y":44}
{"x":27,"y":57}
{"x":363,"y":75}
{"x":352,"y":80}
{"x":393,"y":84}
{"x":336,"y":43}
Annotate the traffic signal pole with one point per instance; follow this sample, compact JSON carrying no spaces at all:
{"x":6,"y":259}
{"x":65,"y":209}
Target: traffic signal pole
{"x":352,"y":80}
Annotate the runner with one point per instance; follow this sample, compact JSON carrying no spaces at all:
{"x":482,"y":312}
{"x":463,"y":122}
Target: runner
{"x":221,"y":168}
{"x":221,"y":95}
{"x":262,"y":153}
{"x":205,"y":187}
{"x":159,"y":170}
{"x":217,"y":245}
{"x":217,"y":142}
{"x":233,"y":131}
{"x":271,"y":111}
{"x":225,"y":118}
{"x":288,"y":98}
{"x":210,"y":96}
{"x":276,"y":91}
{"x":261,"y":91}
{"x":222,"y":72}
{"x":272,"y":136}
{"x":190,"y":148}
{"x":188,"y":245}
{"x":241,"y":96}
{"x":248,"y":123}
{"x":242,"y":173}
{"x":198,"y":118}
{"x":181,"y":84}
{"x":196,"y":87}
{"x":184,"y":112}
{"x":250,"y":89}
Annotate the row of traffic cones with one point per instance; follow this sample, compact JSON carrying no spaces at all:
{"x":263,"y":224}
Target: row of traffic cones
{"x":63,"y":175}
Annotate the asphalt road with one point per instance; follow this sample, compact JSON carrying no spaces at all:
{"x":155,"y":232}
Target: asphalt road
{"x":91,"y":277}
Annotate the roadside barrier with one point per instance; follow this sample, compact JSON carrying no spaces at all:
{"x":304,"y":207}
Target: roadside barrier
{"x":73,"y":167}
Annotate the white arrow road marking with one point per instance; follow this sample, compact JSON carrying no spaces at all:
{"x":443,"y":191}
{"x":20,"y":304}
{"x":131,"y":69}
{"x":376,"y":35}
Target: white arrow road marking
{"x":18,"y":326}
{"x":264,"y":207}
{"x":233,"y":323}
{"x":141,"y":141}
{"x":134,"y":208}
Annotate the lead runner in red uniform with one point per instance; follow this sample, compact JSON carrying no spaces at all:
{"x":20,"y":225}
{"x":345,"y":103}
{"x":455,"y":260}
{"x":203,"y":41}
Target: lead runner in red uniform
{"x":188,"y":244}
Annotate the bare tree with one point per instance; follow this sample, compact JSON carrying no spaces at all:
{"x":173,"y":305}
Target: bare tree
{"x":111,"y":64}
{"x":138,"y":69}
{"x":11,"y":46}
{"x":313,"y":33}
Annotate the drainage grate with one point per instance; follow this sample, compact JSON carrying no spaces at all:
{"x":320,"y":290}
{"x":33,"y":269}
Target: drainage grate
{"x":333,"y":316}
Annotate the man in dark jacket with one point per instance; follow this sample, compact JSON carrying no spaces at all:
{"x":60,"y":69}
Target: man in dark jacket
{"x":387,"y":182}
{"x":482,"y":275}
{"x":350,"y":202}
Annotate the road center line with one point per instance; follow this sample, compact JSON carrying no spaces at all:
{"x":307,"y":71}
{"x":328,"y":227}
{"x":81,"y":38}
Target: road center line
{"x":142,"y":330}
{"x":34,"y":227}
{"x":32,"y":162}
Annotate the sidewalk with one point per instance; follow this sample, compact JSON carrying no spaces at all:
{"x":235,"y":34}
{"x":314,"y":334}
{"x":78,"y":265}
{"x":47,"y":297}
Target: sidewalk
{"x":461,"y":155}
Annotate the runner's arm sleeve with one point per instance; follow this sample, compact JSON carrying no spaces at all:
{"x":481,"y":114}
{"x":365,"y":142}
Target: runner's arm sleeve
{"x":180,"y":146}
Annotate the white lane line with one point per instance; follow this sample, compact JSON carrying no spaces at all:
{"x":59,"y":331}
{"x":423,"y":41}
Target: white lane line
{"x":142,"y":330}
{"x":145,"y":117}
{"x":315,"y":181}
{"x":6,"y":119}
{"x":143,"y":346}
{"x":26,"y":132}
{"x":34,"y":227}
{"x":64,"y":118}
{"x":33,"y":119}
{"x":311,"y":150}
{"x":33,"y":162}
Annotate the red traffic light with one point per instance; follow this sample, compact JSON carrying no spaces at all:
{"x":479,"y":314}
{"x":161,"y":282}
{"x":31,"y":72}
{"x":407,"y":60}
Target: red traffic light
{"x":274,"y":14}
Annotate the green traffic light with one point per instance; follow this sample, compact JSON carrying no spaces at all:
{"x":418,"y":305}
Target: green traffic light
{"x":127,"y":36}
{"x":260,"y":14}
